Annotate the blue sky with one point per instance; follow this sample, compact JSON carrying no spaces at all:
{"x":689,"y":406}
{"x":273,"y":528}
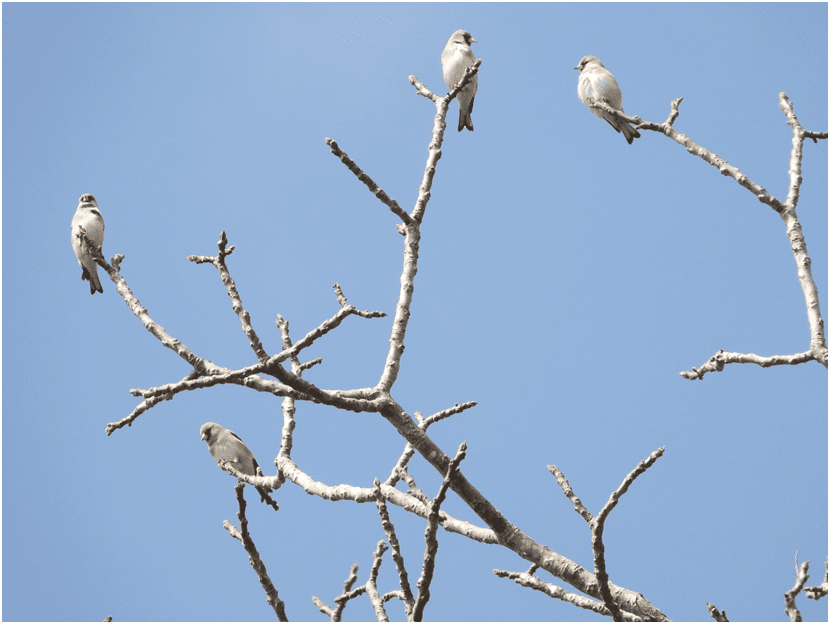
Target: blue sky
{"x":565,"y":278}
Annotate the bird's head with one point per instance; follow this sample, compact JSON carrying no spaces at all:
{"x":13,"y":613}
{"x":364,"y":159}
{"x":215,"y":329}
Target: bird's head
{"x":586,"y":60}
{"x":208,"y":430}
{"x":462,"y":36}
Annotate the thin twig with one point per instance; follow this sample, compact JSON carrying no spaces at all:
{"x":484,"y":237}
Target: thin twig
{"x":218,"y":261}
{"x":271,"y":593}
{"x":369,"y":182}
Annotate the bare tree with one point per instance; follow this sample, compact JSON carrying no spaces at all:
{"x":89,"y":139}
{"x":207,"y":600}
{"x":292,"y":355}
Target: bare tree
{"x":269,"y":374}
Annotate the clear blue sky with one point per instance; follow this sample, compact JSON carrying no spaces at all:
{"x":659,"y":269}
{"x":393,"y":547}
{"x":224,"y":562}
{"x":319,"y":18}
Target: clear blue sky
{"x":565,"y":279}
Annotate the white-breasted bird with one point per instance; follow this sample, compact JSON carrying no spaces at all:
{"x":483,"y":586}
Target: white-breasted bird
{"x":88,"y":216}
{"x":456,"y":57}
{"x":597,"y":83}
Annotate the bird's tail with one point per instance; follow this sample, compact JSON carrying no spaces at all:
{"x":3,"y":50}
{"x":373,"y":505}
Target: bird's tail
{"x":465,"y":120}
{"x":629,"y":133}
{"x":94,"y":282}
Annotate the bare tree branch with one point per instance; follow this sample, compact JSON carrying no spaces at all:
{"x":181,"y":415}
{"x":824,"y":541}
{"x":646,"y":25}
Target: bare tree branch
{"x":785,"y":209}
{"x":271,"y":593}
{"x":722,"y":358}
{"x":372,"y":583}
{"x":207,"y":374}
{"x":218,"y":261}
{"x":366,"y":495}
{"x":369,"y":182}
{"x":527,"y":579}
{"x":818,"y":341}
{"x":597,"y":526}
{"x":114,"y":271}
{"x":566,"y":488}
{"x":817,"y":592}
{"x":399,"y":471}
{"x":431,"y":536}
{"x":802,"y":577}
{"x":718,"y":616}
{"x":395,"y":549}
{"x":342,"y":600}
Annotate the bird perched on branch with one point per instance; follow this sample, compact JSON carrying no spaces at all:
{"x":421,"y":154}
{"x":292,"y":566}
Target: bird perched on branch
{"x":227,"y":447}
{"x":598,"y":84}
{"x":88,"y":216}
{"x":456,"y":57}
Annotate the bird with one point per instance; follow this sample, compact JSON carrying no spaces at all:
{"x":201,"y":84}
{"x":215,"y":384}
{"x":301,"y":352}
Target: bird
{"x":456,"y":57}
{"x":226,"y":446}
{"x":597,"y":83}
{"x":88,"y":216}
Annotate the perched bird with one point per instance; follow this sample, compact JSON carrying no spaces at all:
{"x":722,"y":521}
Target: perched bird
{"x":225,"y":445}
{"x":597,"y":83}
{"x":89,"y":217}
{"x":456,"y":57}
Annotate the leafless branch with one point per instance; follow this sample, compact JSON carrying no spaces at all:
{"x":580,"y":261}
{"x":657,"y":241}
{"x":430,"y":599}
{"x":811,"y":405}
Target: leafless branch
{"x":597,"y":526}
{"x":271,"y":593}
{"x":395,"y":549}
{"x":817,"y":592}
{"x":568,"y":491}
{"x":262,"y":484}
{"x":207,"y":374}
{"x":369,"y":182}
{"x":722,"y":358}
{"x":718,"y":616}
{"x":342,"y":600}
{"x":399,"y":471}
{"x":787,"y":212}
{"x":431,"y":535}
{"x":366,"y":495}
{"x":527,"y":579}
{"x":218,"y":261}
{"x":802,"y":577}
{"x":200,"y":365}
{"x":372,"y":583}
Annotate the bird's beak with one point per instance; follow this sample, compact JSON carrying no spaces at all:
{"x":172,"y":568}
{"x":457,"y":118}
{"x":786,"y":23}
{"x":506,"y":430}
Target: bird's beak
{"x":204,"y":436}
{"x":473,"y":40}
{"x":577,"y":67}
